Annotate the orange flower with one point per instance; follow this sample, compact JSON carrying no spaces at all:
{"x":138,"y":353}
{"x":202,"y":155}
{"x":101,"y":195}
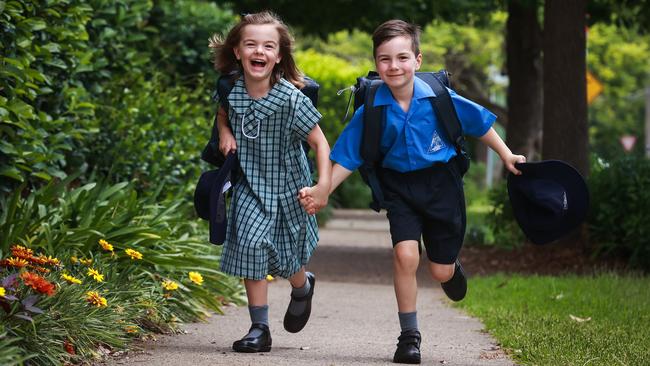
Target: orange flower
{"x":21,"y":252}
{"x":38,"y":283}
{"x":16,"y":262}
{"x":45,"y":260}
{"x":69,"y":347}
{"x":40,"y":269}
{"x":94,"y":298}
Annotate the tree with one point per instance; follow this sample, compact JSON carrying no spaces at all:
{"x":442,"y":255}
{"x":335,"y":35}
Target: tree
{"x":565,"y":91}
{"x":524,"y":66}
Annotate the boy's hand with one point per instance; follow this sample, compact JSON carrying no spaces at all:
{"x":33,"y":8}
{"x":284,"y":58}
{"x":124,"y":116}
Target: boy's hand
{"x":510,"y":160}
{"x":313,"y":199}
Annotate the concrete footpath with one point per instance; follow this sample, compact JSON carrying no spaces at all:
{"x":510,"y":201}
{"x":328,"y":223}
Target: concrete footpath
{"x":354,"y":318}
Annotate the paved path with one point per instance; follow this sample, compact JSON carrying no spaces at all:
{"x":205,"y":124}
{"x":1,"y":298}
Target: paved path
{"x":354,"y":318}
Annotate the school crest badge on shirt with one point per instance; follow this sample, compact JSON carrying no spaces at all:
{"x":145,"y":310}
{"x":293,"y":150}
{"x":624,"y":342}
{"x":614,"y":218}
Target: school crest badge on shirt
{"x":436,"y":143}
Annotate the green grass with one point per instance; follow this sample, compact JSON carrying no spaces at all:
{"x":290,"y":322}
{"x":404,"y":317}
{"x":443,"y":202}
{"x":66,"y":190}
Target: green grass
{"x":531,"y":317}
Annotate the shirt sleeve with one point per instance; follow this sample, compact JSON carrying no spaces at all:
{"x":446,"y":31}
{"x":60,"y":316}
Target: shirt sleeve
{"x":347,"y":149}
{"x":475,"y":119}
{"x":306,"y":117}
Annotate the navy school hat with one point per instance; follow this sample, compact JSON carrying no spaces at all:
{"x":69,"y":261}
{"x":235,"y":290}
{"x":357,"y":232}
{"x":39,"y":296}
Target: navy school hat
{"x":549,"y":199}
{"x":210,"y":200}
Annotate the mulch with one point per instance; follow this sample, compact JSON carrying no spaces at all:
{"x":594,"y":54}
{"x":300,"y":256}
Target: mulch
{"x":529,"y":259}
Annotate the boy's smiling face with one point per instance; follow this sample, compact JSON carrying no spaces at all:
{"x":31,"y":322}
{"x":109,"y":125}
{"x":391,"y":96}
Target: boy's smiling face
{"x":259,"y":51}
{"x":396,"y":63}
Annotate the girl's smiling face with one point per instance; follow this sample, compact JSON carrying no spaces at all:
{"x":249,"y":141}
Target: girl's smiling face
{"x":258,"y":51}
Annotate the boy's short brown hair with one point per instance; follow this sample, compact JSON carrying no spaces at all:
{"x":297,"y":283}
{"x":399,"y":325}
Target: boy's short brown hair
{"x":396,"y":28}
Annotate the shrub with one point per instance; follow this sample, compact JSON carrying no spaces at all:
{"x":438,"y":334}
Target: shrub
{"x":501,"y":220}
{"x":620,"y":210}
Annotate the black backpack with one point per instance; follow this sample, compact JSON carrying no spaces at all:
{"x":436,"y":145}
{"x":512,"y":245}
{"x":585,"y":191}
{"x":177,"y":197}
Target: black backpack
{"x":211,"y":153}
{"x":364,"y":94}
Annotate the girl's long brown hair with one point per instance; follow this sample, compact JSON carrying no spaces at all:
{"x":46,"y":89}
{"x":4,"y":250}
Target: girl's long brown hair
{"x":225,"y":61}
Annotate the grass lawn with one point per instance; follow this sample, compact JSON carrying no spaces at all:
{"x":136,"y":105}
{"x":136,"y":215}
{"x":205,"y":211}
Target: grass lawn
{"x":570,"y":320}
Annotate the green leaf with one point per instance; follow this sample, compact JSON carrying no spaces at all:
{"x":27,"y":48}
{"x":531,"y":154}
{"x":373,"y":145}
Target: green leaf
{"x":11,"y":172}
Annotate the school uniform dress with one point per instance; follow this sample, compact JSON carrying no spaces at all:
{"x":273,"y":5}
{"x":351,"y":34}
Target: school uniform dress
{"x":423,"y":191}
{"x":269,"y":232}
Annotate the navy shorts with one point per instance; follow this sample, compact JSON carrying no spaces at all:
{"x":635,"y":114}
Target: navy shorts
{"x":428,"y":204}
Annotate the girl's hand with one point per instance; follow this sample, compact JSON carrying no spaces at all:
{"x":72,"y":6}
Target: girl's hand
{"x":510,"y":160}
{"x":227,"y":141}
{"x":314,"y":198}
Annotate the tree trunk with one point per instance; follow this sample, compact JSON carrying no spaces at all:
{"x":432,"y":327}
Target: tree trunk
{"x":565,"y":87}
{"x":565,"y":92}
{"x":524,"y":66}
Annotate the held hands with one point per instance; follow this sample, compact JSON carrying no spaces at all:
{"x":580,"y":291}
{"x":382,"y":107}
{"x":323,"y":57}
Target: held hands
{"x":510,"y":160}
{"x":313,"y":199}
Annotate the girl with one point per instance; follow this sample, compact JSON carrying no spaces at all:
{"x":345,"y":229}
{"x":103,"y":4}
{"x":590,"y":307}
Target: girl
{"x":268,"y":231}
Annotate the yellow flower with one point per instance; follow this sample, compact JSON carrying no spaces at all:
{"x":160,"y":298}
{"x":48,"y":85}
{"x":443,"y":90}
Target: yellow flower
{"x":94,"y":298}
{"x":134,"y":254}
{"x":74,"y":259}
{"x":196,"y":278}
{"x":269,"y":278}
{"x":131,"y":329}
{"x":86,"y":262}
{"x":70,"y":279}
{"x":96,"y":275}
{"x":17,"y":262}
{"x":169,"y":285}
{"x":106,"y":245}
{"x":2,"y":291}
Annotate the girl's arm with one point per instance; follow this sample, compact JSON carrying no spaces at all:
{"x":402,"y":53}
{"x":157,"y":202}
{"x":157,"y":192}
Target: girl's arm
{"x":227,"y":141}
{"x":494,"y":141}
{"x":315,"y":197}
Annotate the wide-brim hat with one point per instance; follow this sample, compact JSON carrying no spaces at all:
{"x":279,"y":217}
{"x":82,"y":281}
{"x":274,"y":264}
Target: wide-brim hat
{"x":549,"y":199}
{"x":210,"y":200}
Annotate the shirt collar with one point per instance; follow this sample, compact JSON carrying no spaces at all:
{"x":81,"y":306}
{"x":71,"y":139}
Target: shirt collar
{"x":420,"y":90}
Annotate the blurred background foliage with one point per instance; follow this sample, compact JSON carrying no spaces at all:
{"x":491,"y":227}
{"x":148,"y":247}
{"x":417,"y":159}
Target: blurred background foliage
{"x":105,"y":107}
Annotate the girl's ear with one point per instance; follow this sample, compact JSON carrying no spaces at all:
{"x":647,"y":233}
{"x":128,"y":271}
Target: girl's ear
{"x":235,"y":50}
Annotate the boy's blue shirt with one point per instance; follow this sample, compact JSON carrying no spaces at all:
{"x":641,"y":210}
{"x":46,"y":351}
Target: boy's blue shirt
{"x":411,"y":140}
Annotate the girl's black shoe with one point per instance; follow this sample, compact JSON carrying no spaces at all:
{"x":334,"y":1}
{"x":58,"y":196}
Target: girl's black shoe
{"x":295,"y":323}
{"x":255,"y":344}
{"x":408,"y":347}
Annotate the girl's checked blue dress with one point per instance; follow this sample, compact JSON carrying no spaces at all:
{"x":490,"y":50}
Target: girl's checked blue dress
{"x":268,"y":230}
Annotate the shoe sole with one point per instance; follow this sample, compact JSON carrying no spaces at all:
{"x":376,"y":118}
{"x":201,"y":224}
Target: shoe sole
{"x":244,"y":349}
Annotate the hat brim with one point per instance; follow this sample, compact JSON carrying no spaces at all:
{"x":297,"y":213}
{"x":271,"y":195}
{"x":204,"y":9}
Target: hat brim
{"x":577,"y":195}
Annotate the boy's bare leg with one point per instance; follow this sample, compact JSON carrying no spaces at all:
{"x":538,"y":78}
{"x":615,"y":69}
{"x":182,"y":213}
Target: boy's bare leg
{"x":406,"y":258}
{"x":441,"y":272}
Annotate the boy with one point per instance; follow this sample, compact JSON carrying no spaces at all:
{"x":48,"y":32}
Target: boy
{"x":420,"y":180}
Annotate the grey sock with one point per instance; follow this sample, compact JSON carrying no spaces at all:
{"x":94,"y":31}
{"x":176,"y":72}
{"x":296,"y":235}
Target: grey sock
{"x":408,"y":321}
{"x":259,"y":315}
{"x":295,"y":307}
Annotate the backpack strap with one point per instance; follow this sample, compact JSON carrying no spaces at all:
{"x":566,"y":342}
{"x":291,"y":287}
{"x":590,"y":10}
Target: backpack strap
{"x":445,"y":111}
{"x":373,"y":119}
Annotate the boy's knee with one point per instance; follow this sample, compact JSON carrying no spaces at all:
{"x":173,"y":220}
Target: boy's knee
{"x":406,"y":256}
{"x":441,"y":272}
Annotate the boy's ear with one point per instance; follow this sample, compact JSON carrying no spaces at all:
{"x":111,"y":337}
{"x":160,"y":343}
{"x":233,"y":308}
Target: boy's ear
{"x":418,"y":61}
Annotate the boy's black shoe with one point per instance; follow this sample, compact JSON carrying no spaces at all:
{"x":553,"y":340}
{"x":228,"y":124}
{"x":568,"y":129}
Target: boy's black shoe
{"x":456,"y":287}
{"x":255,"y":344}
{"x":408,"y":347}
{"x":295,"y":323}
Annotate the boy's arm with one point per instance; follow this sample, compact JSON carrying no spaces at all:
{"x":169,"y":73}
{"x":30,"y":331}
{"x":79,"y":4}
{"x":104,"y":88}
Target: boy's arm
{"x":494,"y":141}
{"x":227,"y":141}
{"x":339,"y":174}
{"x":315,"y":198}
